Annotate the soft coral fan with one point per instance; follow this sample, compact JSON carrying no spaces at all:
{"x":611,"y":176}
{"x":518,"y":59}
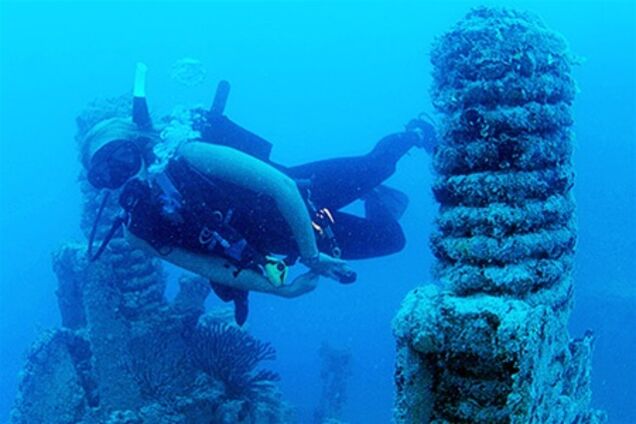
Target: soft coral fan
{"x":231,"y":355}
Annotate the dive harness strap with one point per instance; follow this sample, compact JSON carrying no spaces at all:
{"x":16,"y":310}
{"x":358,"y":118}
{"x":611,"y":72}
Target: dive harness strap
{"x":242,"y":254}
{"x":218,"y":233}
{"x":117,"y":223}
{"x":322,"y":220}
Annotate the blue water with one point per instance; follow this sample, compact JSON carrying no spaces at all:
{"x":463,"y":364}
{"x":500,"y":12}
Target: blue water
{"x":319,"y":80}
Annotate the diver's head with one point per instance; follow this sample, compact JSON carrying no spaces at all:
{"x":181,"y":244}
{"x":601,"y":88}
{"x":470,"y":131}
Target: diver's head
{"x":113,"y":152}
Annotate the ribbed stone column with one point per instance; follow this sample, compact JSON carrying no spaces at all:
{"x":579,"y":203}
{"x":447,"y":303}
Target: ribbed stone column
{"x":491,"y":346}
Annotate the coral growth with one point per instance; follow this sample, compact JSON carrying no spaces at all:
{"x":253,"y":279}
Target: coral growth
{"x":335,"y":371}
{"x":127,"y":355}
{"x":231,"y":355}
{"x":493,"y":346}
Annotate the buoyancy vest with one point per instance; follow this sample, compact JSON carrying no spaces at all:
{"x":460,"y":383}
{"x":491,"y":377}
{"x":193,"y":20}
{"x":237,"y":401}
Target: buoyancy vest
{"x":211,"y":216}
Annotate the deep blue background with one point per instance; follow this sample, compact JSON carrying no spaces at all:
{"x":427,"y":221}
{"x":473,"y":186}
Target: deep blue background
{"x":319,"y":80}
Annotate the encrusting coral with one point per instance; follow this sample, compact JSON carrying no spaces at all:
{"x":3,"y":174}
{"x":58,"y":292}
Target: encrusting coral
{"x":126,"y":355}
{"x":492,"y":346}
{"x":335,"y":371}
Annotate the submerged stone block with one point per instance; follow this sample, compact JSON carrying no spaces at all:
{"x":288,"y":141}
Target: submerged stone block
{"x":51,"y":388}
{"x":484,"y":359}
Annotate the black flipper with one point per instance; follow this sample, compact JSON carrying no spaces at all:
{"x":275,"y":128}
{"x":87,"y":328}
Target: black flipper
{"x":141,"y":115}
{"x":238,"y":296}
{"x":220,"y":130}
{"x":241,"y":307}
{"x":424,"y":128}
{"x":220,"y":98}
{"x":216,"y":128}
{"x":385,"y":202}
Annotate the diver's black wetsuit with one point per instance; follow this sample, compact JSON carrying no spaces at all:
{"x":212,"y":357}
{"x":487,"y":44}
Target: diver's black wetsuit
{"x":336,"y":183}
{"x":333,"y":184}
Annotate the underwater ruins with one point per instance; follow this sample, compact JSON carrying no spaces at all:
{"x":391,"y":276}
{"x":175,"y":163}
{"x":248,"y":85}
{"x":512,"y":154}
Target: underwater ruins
{"x":124,"y":354}
{"x":491,"y":344}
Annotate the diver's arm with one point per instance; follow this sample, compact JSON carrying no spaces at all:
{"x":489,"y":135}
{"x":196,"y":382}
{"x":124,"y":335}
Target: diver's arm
{"x":243,"y":170}
{"x":221,"y":271}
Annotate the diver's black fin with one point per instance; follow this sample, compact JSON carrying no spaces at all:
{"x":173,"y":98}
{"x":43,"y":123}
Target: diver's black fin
{"x":225,"y":293}
{"x":383,"y":201}
{"x":140,"y":113}
{"x":238,"y":296}
{"x":424,"y":128}
{"x":241,"y":307}
{"x":220,"y":98}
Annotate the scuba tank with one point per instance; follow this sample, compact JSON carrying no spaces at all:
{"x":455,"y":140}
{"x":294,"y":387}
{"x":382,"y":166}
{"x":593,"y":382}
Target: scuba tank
{"x":160,"y":193}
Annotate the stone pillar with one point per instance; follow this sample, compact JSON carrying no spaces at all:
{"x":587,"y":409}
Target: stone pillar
{"x":491,"y":344}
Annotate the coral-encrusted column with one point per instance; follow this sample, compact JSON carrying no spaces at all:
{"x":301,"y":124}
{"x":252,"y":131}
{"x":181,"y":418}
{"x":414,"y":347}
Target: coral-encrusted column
{"x":492,"y":346}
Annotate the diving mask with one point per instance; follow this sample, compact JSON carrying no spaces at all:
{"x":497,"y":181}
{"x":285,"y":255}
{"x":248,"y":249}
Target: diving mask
{"x":114,"y":164}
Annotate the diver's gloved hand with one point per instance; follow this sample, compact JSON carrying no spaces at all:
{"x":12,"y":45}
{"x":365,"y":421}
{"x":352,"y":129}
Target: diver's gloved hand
{"x":424,"y":129}
{"x":331,"y":267}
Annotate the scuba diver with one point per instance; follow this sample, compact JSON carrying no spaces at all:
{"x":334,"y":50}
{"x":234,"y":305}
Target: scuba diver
{"x":219,"y":207}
